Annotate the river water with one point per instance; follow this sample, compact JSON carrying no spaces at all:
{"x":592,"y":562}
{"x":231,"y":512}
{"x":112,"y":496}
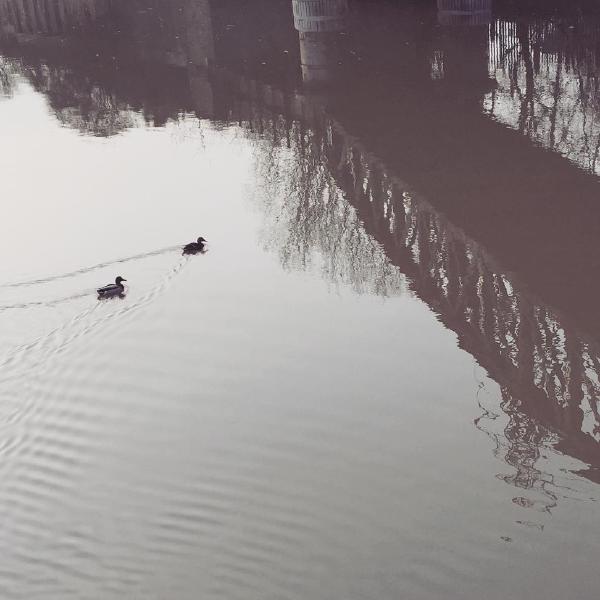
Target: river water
{"x":381,"y":380}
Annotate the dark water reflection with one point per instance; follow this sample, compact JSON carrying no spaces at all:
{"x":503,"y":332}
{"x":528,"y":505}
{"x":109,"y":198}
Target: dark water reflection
{"x":448,"y":152}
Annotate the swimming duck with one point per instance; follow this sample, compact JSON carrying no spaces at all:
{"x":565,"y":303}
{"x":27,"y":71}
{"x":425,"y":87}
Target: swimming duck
{"x":194,"y":247}
{"x":113,"y":289}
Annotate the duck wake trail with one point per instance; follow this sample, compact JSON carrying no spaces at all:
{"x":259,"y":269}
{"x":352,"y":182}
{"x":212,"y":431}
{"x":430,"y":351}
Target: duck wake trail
{"x":25,"y":364}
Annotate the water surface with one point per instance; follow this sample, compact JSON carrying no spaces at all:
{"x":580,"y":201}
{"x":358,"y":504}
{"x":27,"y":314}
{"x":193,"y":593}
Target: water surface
{"x":382,"y":378}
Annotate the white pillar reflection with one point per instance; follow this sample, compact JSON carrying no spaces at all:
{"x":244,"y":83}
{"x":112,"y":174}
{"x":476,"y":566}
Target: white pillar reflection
{"x":317,"y":21}
{"x":464,"y":12}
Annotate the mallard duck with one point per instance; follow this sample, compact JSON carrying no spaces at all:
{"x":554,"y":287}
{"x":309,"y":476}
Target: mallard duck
{"x":112,"y":289}
{"x":194,"y":247}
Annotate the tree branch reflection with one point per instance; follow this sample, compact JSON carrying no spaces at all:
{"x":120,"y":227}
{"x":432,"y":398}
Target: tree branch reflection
{"x":547,"y":75}
{"x":308,"y":221}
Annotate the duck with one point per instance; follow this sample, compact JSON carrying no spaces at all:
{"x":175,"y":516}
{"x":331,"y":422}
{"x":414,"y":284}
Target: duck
{"x":195,"y":247}
{"x":112,"y":289}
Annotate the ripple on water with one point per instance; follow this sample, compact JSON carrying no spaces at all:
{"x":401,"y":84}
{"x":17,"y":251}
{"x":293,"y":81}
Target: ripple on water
{"x":120,"y":469}
{"x":55,"y":419}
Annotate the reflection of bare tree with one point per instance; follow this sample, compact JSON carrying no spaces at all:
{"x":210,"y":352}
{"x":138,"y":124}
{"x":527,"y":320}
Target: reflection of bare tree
{"x":117,"y":60}
{"x":548,"y":371}
{"x":519,"y":440}
{"x":309,"y":221}
{"x":528,"y":347}
{"x":547,"y":74}
{"x":7,"y":76}
{"x":80,"y":103}
{"x":67,"y":74}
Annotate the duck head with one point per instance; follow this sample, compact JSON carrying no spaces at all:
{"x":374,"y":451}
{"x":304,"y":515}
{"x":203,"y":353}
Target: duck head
{"x":201,"y":241}
{"x":119,"y":279}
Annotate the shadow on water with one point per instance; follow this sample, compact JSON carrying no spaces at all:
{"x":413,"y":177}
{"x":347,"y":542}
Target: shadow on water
{"x":463,"y":142}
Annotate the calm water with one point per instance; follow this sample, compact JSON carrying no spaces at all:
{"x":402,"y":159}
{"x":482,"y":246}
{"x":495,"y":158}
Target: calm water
{"x":382,"y":379}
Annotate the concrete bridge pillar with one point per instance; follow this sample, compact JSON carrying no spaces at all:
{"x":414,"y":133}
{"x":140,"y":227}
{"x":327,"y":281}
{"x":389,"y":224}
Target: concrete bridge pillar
{"x":316,"y":21}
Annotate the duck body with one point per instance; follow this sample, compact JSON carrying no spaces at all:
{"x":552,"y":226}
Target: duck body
{"x":113,"y":289}
{"x":195,"y":247}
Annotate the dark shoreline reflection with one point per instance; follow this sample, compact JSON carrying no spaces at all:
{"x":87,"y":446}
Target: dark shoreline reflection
{"x":494,"y":229}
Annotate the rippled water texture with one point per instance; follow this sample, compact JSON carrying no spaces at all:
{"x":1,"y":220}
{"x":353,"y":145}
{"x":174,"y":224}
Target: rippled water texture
{"x":381,"y":380}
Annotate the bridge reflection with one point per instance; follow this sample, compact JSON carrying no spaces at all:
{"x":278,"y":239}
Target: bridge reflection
{"x":476,"y":263}
{"x":548,"y":370}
